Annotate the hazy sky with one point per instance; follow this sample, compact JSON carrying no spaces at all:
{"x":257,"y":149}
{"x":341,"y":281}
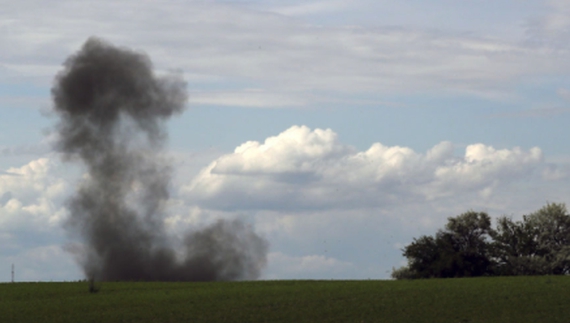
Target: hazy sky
{"x":339,"y":130}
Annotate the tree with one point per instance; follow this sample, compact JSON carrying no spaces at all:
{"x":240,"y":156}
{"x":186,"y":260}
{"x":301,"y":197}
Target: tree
{"x":429,"y":257}
{"x":515,"y":249}
{"x":461,"y":250}
{"x":538,"y":245}
{"x":468,"y":246}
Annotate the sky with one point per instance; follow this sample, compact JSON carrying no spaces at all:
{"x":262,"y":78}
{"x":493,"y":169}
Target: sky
{"x":338,"y":130}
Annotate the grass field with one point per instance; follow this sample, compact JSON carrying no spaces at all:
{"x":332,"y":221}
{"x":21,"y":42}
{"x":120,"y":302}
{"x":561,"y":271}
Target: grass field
{"x":511,"y":299}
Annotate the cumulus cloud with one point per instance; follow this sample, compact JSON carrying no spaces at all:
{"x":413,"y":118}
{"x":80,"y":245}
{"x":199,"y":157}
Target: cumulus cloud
{"x":311,"y":169}
{"x":32,"y":208}
{"x":31,"y":197}
{"x":329,"y":209}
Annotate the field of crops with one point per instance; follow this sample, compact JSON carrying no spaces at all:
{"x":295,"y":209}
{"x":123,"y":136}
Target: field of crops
{"x":513,"y":299}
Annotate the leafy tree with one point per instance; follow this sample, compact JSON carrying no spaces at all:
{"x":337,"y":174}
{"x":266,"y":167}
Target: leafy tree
{"x":538,"y":245}
{"x":515,"y":249}
{"x":468,"y":246}
{"x":461,"y":250}
{"x":428,"y":257}
{"x":468,"y":233}
{"x":550,"y":227}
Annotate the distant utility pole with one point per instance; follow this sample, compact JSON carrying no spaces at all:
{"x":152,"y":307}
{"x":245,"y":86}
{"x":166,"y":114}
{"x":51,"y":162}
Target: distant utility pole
{"x":12,"y":272}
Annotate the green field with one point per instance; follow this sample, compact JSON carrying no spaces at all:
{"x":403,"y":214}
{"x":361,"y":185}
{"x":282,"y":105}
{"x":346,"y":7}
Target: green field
{"x":497,"y":299}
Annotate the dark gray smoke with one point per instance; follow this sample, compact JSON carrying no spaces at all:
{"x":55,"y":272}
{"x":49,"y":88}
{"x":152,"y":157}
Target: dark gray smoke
{"x":112,"y":111}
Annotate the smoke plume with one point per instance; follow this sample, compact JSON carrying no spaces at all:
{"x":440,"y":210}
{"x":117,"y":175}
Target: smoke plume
{"x":112,"y":110}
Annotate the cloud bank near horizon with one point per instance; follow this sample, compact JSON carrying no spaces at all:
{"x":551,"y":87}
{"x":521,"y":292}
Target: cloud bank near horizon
{"x":304,"y":169}
{"x":299,"y":187}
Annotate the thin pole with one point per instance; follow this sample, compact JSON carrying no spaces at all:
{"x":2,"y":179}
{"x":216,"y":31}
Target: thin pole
{"x":12,"y":272}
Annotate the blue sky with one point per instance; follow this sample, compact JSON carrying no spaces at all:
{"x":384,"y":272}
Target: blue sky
{"x":339,"y":129}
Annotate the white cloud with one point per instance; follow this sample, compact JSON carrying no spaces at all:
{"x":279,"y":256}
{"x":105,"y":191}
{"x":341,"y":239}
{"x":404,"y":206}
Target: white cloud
{"x":289,"y":61}
{"x":32,"y":197}
{"x":328,"y":209}
{"x":302,"y":186}
{"x":32,"y":211}
{"x":310,"y":169}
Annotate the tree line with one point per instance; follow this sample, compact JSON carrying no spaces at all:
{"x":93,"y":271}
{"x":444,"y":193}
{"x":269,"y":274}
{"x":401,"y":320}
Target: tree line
{"x":468,"y":246}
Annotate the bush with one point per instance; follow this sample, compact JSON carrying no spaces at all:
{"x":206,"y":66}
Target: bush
{"x":402,"y":273}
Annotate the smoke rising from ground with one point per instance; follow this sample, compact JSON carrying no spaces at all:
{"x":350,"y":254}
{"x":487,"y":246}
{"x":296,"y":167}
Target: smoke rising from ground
{"x":112,"y":111}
